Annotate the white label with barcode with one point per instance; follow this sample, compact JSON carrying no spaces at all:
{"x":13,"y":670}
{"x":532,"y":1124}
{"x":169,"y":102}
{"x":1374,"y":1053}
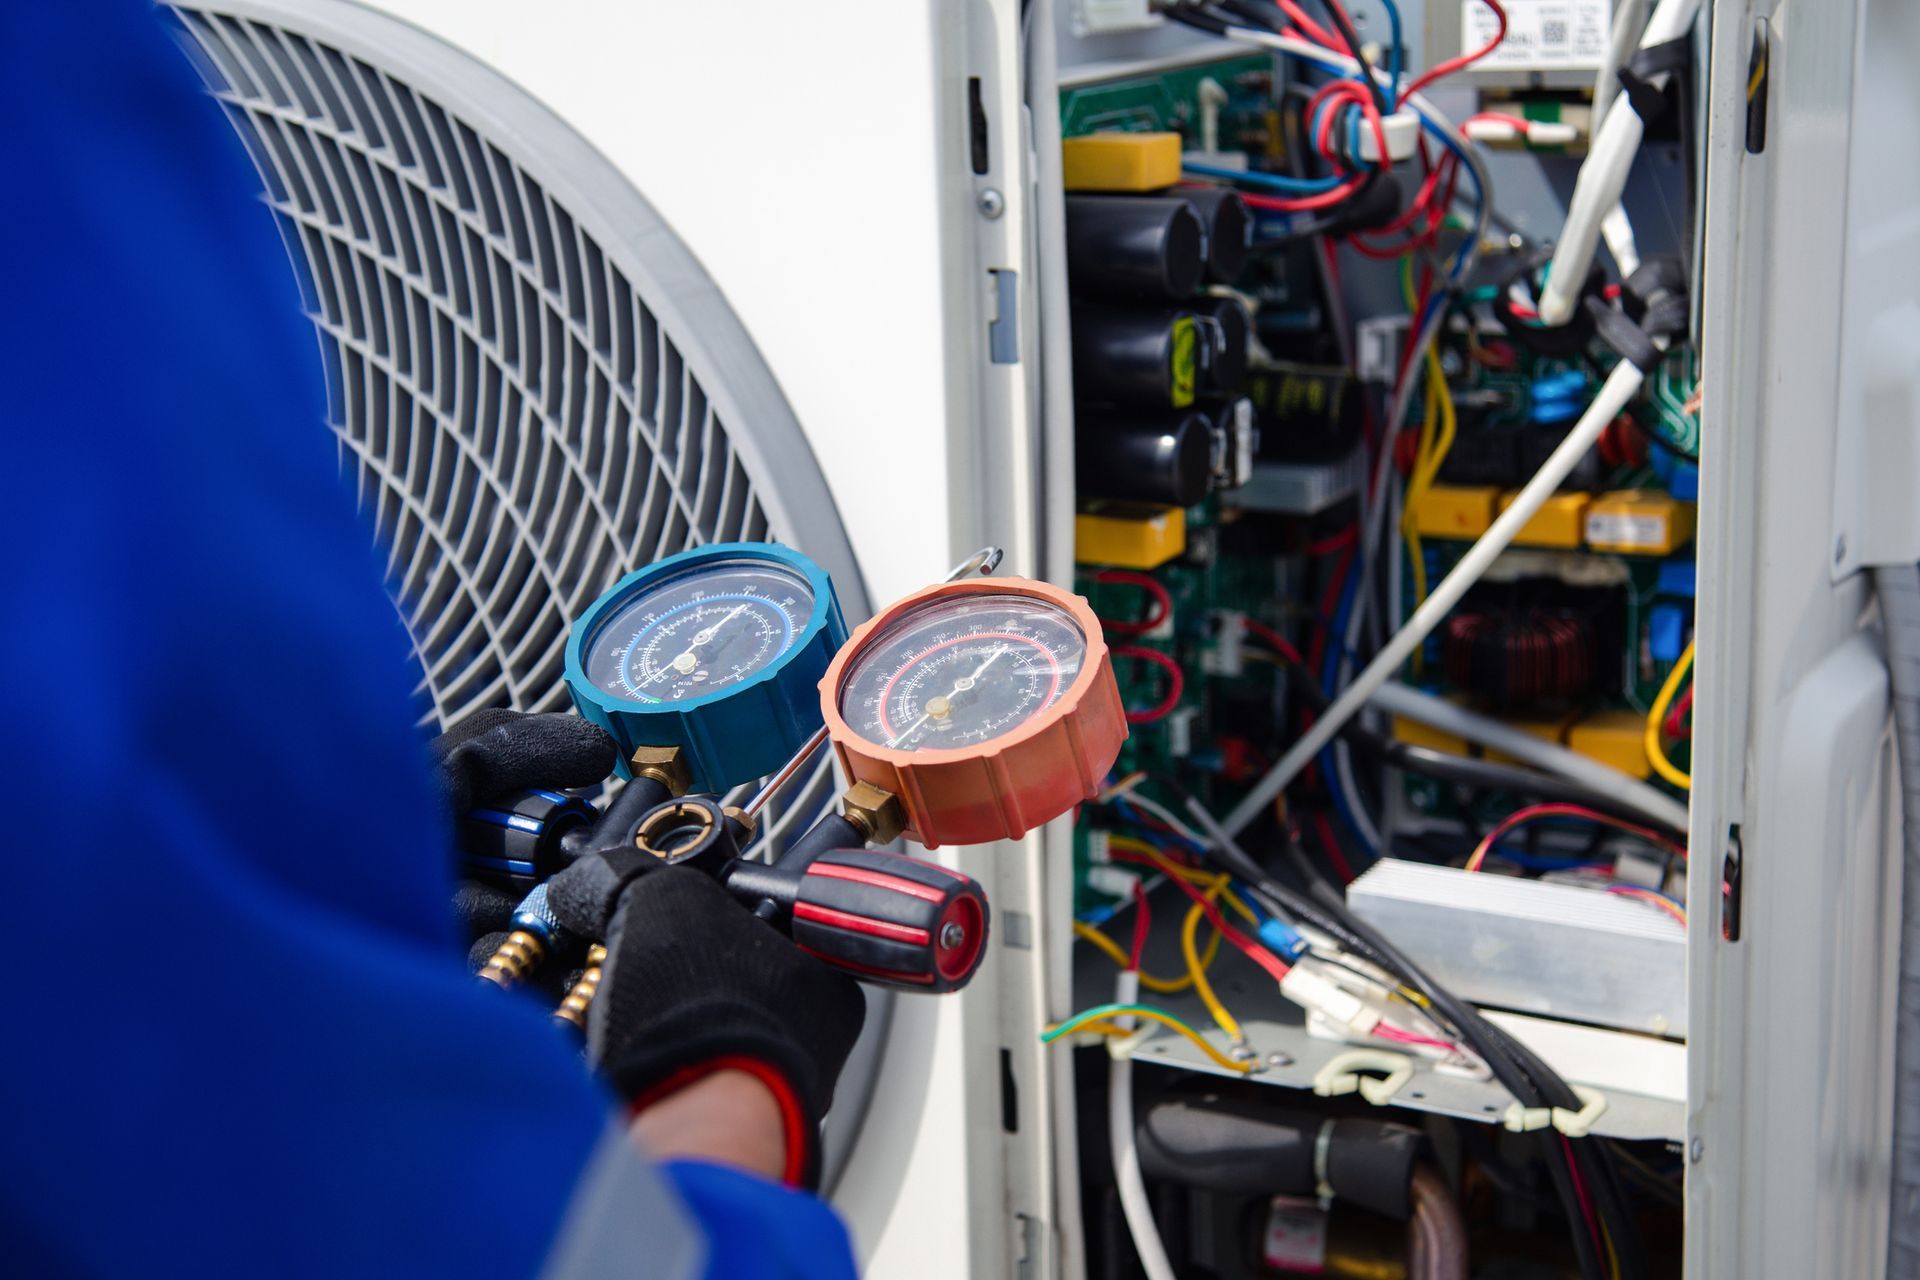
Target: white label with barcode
{"x":1541,"y":34}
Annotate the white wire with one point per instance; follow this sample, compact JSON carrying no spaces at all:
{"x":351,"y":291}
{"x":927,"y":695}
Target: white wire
{"x":1450,"y":717}
{"x":1619,"y":388}
{"x":1603,"y":176}
{"x":1126,"y":1156}
{"x":1629,"y":18}
{"x":1165,"y":815}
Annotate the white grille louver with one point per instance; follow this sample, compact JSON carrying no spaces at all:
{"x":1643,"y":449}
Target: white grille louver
{"x":535,"y":387}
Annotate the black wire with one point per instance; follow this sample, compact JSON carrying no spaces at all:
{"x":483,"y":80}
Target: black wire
{"x":1352,"y":40}
{"x":1532,"y":1083}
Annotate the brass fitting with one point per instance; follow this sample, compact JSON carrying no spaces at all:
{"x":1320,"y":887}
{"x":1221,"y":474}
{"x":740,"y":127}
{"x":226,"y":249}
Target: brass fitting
{"x":741,"y":816}
{"x":513,"y":960}
{"x":689,"y":823}
{"x":665,"y":765}
{"x":573,"y":1010}
{"x":877,"y":813}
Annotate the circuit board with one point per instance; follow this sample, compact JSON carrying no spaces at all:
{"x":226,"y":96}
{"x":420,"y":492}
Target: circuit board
{"x":1172,"y":101}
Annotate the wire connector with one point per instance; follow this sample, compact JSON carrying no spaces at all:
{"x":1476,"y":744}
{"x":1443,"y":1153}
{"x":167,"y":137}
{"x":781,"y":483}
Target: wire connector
{"x":1342,"y":1009}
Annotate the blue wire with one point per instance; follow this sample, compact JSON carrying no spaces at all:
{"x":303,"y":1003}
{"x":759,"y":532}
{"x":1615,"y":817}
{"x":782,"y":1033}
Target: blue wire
{"x":1395,"y":53}
{"x":1329,"y":680}
{"x":1132,"y":815}
{"x":1268,"y":181}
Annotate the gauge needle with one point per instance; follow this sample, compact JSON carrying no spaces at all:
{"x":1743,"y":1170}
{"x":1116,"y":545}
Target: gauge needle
{"x":943,"y":703}
{"x":685,"y":661}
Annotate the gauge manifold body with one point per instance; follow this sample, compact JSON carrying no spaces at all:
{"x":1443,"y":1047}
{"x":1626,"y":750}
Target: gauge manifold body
{"x":715,"y":651}
{"x":987,"y":707}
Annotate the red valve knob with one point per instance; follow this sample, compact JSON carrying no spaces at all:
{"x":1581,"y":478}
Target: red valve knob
{"x":888,"y":918}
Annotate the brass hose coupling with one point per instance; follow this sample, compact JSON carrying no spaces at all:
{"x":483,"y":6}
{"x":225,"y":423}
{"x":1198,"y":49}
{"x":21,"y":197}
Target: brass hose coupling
{"x":535,"y":932}
{"x":573,"y":1010}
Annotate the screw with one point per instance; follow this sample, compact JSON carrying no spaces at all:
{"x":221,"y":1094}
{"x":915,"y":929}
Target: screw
{"x":992,"y":203}
{"x":1696,"y":1149}
{"x":1278,"y":1059}
{"x":951,"y":936}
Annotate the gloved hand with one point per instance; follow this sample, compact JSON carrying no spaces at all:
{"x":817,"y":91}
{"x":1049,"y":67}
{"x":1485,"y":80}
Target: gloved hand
{"x":495,"y":751}
{"x":694,"y":983}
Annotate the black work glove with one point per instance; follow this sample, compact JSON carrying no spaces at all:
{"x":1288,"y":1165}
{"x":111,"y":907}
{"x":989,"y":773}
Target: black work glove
{"x":695,"y":983}
{"x":494,"y":752}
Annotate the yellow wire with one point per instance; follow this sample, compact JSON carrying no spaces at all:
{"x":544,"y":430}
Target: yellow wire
{"x":1202,"y":988}
{"x":1115,"y":952}
{"x":1657,"y":754}
{"x":1192,"y":875}
{"x":1215,"y":886}
{"x":1437,"y":432}
{"x":1198,"y":1041}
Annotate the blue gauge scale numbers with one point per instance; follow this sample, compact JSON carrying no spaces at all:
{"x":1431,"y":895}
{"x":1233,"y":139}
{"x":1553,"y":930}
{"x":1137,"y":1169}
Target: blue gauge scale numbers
{"x":717,"y":651}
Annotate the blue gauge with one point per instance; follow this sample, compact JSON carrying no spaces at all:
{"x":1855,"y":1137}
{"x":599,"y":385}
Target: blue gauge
{"x":716,"y":651}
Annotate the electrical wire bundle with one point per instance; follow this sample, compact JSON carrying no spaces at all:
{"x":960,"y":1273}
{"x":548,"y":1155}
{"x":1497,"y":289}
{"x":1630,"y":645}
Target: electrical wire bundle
{"x":1345,"y":120}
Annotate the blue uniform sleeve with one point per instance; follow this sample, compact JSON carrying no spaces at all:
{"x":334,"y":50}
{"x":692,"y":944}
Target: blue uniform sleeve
{"x":756,"y":1228}
{"x":239,"y":1039}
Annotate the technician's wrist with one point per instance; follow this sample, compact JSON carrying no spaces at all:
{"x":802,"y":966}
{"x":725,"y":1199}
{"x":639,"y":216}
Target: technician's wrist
{"x":733,"y":1110}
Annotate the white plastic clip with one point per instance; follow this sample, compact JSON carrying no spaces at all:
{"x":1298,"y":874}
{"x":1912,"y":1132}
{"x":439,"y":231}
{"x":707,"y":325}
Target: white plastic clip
{"x":1519,"y":1119}
{"x":1577,"y":1124}
{"x":1342,"y":1075}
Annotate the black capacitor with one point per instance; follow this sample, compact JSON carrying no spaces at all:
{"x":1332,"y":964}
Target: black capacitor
{"x":1229,"y":228}
{"x":1308,"y":413}
{"x":1134,"y":247}
{"x":1231,"y":329}
{"x":1146,"y":358}
{"x":1165,"y":460}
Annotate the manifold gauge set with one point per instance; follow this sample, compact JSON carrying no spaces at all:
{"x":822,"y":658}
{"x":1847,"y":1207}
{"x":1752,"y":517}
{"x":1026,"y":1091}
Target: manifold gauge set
{"x":975,"y":709}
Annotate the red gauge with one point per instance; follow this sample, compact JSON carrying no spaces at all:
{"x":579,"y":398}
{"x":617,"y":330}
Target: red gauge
{"x":988,"y":707}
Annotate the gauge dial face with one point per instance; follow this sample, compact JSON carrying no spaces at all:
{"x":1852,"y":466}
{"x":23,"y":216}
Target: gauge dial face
{"x":960,"y":671}
{"x":716,"y":625}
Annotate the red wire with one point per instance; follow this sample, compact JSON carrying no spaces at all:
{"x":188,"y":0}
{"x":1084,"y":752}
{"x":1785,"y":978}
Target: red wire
{"x":1328,"y":603}
{"x":1308,"y":27}
{"x":1273,"y":639}
{"x":1176,"y":681}
{"x":1142,"y":922}
{"x":1452,"y":65}
{"x":1531,"y":812}
{"x":1324,"y":827}
{"x":1676,"y":725}
{"x":1431,"y":203}
{"x":1272,"y":963}
{"x":1499,"y":117}
{"x":1305,"y":204}
{"x":1580,"y":1194}
{"x":1350,"y":91}
{"x":1162,"y":602}
{"x":1333,"y":542}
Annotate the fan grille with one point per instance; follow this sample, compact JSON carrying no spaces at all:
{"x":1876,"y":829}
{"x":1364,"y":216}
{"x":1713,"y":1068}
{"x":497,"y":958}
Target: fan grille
{"x":521,"y":425}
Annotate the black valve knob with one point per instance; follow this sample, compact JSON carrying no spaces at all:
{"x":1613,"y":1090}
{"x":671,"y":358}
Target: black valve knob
{"x":891,"y":919}
{"x":517,"y":841}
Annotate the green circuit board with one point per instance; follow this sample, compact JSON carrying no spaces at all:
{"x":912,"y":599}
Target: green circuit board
{"x":1171,"y":101}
